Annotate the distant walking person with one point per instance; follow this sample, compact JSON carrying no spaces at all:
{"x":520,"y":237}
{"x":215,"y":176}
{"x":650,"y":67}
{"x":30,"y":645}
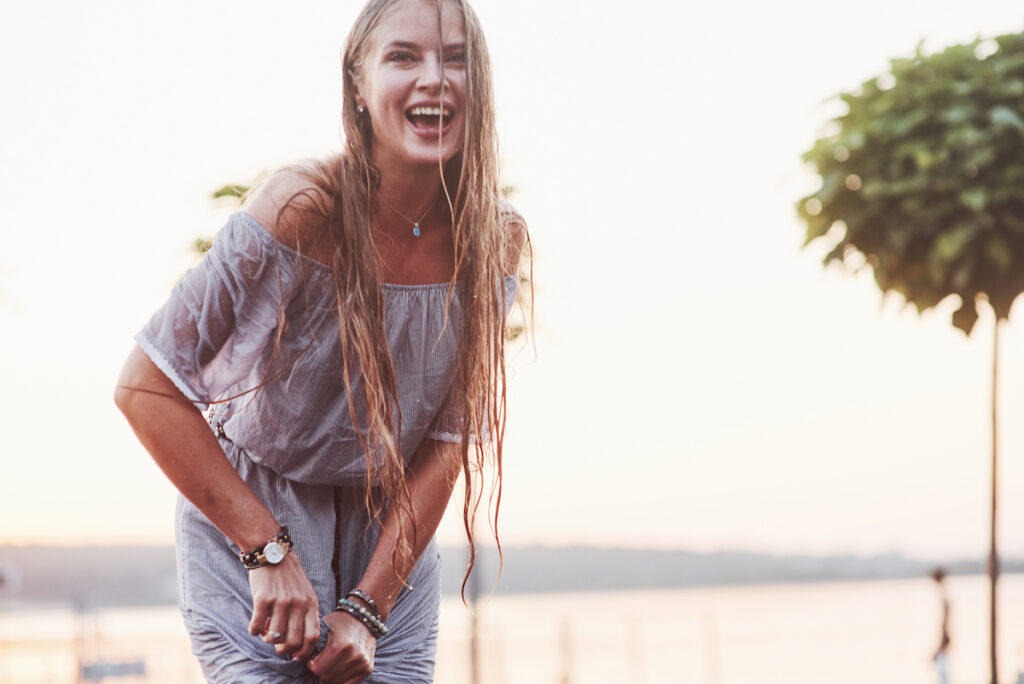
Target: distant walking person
{"x":941,"y":656}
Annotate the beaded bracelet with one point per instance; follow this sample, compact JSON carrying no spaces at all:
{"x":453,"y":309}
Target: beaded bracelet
{"x":359,"y":593}
{"x":376,"y":627}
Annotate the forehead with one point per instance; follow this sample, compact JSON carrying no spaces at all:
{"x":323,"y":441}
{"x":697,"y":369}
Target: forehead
{"x":416,"y":21}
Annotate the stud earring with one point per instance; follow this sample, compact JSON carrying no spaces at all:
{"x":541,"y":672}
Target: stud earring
{"x":361,"y":109}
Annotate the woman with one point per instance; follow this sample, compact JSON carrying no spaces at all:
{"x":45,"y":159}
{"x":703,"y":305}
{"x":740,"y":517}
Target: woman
{"x":345,"y":333}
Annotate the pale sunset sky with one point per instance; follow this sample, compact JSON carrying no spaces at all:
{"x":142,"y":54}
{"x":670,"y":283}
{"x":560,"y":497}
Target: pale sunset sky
{"x":700,"y":382}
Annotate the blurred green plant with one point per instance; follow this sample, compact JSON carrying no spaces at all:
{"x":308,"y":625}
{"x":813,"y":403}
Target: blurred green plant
{"x":236,"y":191}
{"x":201,"y":245}
{"x":923,"y":177}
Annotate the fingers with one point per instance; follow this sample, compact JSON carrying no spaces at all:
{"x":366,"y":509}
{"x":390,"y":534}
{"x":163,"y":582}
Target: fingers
{"x":358,"y":678}
{"x":302,"y":634}
{"x":347,"y":657}
{"x":261,"y":610}
{"x":278,"y":630}
{"x":356,"y":672}
{"x":294,"y":637}
{"x":283,"y":599}
{"x":311,"y":635}
{"x":347,"y":669}
{"x":323,"y":661}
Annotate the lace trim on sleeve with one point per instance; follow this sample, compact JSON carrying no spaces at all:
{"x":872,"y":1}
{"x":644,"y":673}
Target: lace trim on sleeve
{"x":441,"y":436}
{"x":161,"y":362}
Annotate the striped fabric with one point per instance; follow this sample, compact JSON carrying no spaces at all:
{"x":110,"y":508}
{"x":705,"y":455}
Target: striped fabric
{"x":293,"y":440}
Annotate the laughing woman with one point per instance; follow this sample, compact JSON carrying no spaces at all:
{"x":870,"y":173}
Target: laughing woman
{"x":345,"y":334}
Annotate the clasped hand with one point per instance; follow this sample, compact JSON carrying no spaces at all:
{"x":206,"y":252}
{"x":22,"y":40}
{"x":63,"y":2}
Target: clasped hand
{"x":347,"y":657}
{"x":285,"y":610}
{"x":286,"y":614}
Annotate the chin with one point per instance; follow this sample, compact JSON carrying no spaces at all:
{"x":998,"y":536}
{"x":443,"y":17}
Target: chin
{"x":428,"y":157}
{"x":416,"y":152}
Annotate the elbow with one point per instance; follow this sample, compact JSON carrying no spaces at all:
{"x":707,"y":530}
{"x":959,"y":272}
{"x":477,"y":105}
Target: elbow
{"x":139,"y":384}
{"x":131,"y":380}
{"x":122,"y":398}
{"x":126,"y":398}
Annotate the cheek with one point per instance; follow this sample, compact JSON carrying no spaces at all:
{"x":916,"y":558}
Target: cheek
{"x":384,"y":92}
{"x":455,"y":92}
{"x":458,"y":84}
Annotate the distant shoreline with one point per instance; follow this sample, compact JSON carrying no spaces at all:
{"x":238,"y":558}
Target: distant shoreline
{"x":92,"y":577}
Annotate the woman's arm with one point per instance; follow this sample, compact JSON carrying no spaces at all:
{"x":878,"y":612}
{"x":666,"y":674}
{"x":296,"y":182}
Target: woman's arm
{"x":175,"y":434}
{"x":178,"y":438}
{"x":433,"y":471}
{"x":432,"y":474}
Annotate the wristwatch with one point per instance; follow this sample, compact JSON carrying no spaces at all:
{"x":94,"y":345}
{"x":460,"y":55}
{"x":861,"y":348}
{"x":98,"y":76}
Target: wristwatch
{"x":271,"y":553}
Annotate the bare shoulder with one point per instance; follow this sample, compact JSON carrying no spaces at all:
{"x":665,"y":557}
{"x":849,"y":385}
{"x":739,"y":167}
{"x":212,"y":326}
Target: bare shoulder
{"x":516,"y":235}
{"x":291,"y":203}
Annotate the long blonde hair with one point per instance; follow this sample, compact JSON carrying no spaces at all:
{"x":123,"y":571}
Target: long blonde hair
{"x":344,"y":202}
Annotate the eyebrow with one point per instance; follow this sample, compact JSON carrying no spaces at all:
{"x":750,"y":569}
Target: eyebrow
{"x":413,"y":46}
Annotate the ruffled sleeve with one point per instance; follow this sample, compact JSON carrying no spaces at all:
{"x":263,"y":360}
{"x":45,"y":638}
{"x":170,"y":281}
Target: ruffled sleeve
{"x":447,"y":424}
{"x":449,"y":420}
{"x":222,"y":315}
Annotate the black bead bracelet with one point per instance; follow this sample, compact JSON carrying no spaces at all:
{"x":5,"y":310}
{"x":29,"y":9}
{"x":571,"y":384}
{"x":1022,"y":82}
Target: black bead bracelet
{"x":369,"y":620}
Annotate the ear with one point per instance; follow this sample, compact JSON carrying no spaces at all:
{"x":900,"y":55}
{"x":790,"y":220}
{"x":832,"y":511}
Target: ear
{"x":358,"y":95}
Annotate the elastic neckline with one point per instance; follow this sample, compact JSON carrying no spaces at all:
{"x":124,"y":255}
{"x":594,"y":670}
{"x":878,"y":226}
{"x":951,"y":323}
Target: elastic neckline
{"x":266,"y":235}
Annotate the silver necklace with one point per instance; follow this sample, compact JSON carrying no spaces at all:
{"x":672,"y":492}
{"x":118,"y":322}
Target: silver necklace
{"x":415,"y":224}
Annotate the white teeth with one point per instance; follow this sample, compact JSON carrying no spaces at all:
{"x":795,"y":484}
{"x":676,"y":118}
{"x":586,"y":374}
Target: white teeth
{"x":428,"y":111}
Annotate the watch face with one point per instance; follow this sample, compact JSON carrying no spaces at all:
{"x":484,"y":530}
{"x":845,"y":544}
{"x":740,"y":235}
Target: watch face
{"x":273,"y":553}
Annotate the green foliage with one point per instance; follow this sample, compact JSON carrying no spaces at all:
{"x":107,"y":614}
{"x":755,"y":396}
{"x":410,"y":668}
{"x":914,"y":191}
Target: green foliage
{"x":924,"y":176}
{"x":231,"y":191}
{"x":201,"y":245}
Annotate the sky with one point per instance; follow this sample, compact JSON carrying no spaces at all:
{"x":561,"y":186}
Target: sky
{"x":700,"y":380}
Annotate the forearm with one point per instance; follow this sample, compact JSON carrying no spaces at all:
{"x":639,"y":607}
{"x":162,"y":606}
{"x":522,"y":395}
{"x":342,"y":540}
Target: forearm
{"x":431,"y":478}
{"x":176,"y":435}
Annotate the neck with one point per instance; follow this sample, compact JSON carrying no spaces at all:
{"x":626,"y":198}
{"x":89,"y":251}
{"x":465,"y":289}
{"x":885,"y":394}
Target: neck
{"x":409,"y":201}
{"x":411,"y":190}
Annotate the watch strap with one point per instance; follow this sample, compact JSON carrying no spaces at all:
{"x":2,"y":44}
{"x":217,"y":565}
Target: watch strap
{"x":256,"y":558}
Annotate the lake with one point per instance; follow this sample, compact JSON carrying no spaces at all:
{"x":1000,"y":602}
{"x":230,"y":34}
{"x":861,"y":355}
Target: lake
{"x":800,"y":633}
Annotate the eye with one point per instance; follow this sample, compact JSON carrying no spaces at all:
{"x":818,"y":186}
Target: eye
{"x":400,"y":57}
{"x":456,"y":58}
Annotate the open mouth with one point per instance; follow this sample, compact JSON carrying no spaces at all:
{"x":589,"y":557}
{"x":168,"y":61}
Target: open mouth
{"x":429,"y":119}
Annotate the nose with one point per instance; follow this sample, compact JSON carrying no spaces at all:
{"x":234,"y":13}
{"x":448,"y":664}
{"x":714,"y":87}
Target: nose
{"x":430,"y":74}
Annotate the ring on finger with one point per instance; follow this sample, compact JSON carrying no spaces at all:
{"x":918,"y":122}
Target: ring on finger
{"x":276,"y":636}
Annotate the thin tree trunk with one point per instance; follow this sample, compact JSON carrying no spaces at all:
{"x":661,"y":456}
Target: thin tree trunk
{"x":993,"y":558}
{"x":474,"y":622}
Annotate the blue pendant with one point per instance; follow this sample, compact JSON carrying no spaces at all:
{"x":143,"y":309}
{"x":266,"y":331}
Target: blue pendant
{"x":416,"y":229}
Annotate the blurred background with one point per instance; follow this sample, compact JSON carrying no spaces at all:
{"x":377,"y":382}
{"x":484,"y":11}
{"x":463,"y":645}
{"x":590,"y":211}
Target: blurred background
{"x":724,"y":464}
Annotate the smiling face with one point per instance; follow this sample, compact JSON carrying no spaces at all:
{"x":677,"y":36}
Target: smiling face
{"x":400,"y":84}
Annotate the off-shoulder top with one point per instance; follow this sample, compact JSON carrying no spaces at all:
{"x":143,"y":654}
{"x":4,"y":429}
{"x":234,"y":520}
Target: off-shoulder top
{"x":215,"y":338}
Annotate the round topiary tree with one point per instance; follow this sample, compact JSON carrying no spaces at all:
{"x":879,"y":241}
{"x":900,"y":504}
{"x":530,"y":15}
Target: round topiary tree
{"x":923,"y":177}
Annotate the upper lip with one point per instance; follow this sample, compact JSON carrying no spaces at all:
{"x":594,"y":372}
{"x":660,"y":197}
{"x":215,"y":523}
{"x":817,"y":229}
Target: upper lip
{"x":448,"y":109}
